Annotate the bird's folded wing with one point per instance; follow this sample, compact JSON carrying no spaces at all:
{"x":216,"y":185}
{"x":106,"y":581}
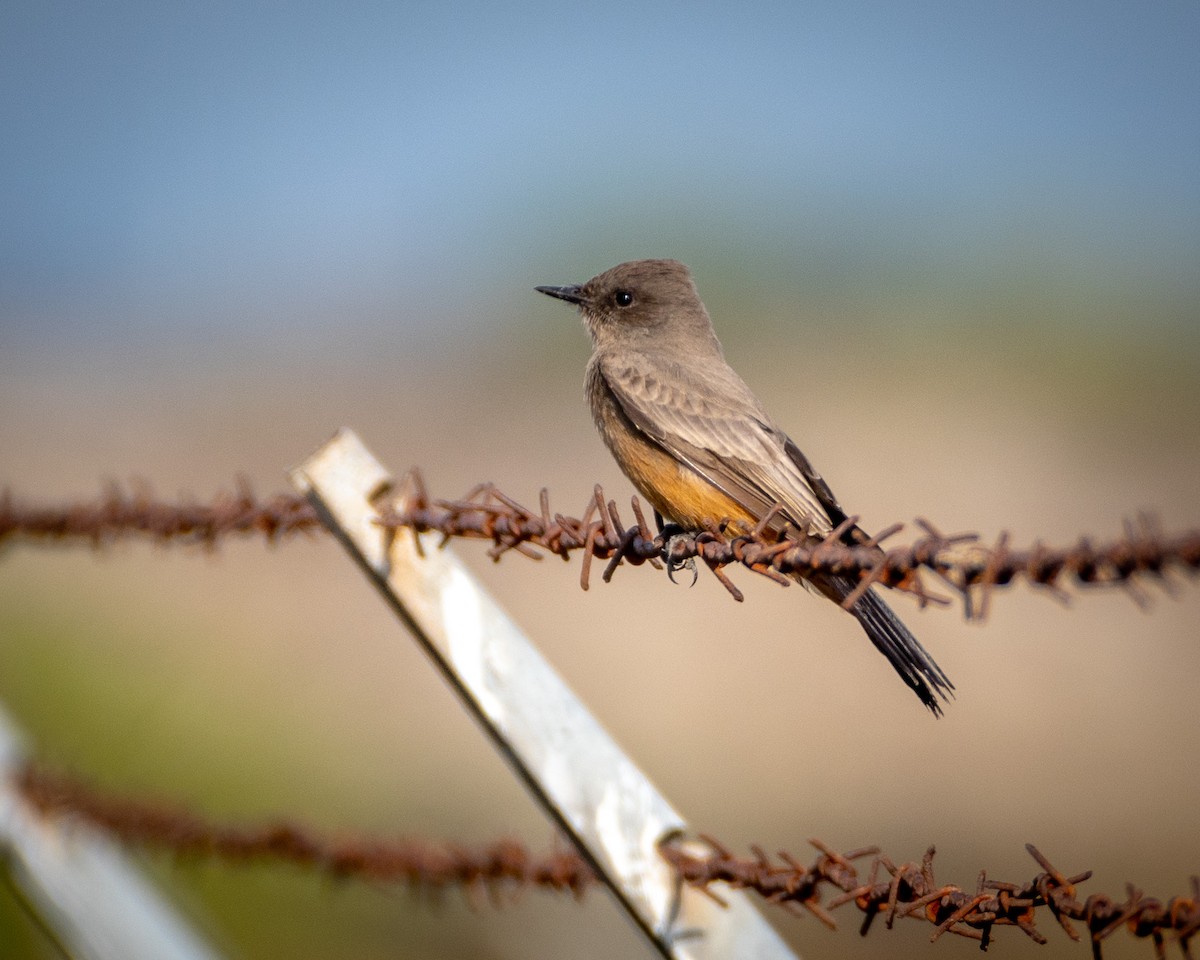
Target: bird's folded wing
{"x":719,"y":430}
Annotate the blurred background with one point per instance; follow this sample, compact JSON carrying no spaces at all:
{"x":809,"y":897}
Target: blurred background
{"x":953,"y":247}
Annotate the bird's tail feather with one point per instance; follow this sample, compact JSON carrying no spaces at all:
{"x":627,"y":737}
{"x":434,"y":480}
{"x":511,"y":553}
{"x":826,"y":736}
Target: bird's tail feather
{"x":893,"y":639}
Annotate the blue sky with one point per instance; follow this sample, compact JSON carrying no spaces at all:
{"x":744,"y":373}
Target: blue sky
{"x":178,"y":165}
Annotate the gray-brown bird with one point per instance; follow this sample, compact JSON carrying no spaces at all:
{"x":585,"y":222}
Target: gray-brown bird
{"x":697,"y":443}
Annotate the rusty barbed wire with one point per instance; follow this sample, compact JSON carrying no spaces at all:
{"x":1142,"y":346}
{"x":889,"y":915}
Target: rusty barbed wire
{"x":910,"y":890}
{"x":971,"y":568}
{"x":122,"y":514}
{"x":962,"y":561}
{"x":877,"y":888}
{"x":423,"y":866}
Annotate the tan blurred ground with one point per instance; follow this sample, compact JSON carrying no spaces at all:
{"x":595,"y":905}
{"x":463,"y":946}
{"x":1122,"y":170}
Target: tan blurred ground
{"x":260,"y":681}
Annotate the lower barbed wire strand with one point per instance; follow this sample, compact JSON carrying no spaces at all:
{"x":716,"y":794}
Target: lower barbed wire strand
{"x":865,"y":878}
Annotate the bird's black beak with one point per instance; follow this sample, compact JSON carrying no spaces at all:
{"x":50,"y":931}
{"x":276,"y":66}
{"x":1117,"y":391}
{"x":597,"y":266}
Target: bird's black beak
{"x":572,"y":294}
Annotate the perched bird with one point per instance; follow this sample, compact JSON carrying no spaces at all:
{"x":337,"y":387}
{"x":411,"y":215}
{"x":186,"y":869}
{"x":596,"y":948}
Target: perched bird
{"x":698,"y":445}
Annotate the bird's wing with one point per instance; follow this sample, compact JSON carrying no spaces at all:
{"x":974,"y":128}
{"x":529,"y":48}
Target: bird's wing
{"x":719,"y":430}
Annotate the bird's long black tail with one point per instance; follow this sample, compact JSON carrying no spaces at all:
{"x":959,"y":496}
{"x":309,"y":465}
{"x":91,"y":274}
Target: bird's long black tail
{"x":893,"y":640}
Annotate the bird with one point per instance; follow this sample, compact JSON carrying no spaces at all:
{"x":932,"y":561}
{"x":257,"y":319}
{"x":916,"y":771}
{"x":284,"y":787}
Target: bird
{"x":700,"y":447}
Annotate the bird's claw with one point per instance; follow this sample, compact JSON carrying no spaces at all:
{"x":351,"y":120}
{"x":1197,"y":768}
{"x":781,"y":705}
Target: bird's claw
{"x":674,"y":539}
{"x":688,"y":564}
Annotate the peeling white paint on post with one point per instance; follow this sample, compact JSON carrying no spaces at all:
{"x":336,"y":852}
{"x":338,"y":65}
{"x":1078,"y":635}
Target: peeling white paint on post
{"x":79,"y":884}
{"x":575,"y":770}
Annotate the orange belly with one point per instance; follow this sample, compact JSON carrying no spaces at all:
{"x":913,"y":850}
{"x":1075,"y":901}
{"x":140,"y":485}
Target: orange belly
{"x":674,"y":489}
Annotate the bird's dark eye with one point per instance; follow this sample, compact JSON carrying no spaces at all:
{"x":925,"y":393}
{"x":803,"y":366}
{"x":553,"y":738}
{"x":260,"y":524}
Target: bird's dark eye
{"x":623,"y":298}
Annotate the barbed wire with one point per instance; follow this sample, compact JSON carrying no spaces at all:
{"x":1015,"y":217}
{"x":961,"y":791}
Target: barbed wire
{"x":910,"y":890}
{"x":972,"y":569}
{"x":120,"y":514}
{"x":424,"y":866}
{"x":865,"y":878}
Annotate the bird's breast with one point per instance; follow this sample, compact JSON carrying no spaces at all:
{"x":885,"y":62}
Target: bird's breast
{"x":673,"y":488}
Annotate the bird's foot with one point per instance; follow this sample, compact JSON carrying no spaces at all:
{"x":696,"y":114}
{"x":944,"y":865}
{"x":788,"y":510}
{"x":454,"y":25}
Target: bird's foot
{"x":677,"y":545}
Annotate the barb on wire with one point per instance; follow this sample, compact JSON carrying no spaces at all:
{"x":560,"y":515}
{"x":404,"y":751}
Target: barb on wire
{"x":973,"y":569}
{"x":865,"y":878}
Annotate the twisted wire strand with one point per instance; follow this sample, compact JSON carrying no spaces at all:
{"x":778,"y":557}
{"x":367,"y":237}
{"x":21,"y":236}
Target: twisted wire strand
{"x":865,"y":878}
{"x":972,"y":569}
